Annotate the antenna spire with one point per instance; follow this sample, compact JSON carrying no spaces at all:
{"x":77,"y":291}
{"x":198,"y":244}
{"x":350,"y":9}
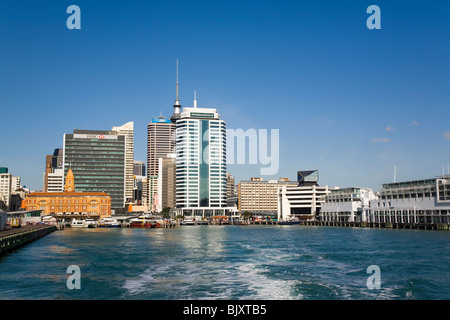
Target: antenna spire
{"x":177,"y":100}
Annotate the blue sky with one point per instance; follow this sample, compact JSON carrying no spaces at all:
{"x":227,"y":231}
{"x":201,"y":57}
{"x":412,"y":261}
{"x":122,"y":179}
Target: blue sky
{"x":349,"y":101}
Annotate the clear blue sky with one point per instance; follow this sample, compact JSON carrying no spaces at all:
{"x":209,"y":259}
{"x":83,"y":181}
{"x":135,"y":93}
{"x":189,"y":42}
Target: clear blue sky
{"x":349,"y":101}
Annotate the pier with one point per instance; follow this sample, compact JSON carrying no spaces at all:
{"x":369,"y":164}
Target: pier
{"x":387,"y":225}
{"x":16,"y":237}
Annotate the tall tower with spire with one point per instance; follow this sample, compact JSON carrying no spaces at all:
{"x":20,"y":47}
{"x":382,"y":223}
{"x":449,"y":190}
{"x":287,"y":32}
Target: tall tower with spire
{"x":177,"y":106}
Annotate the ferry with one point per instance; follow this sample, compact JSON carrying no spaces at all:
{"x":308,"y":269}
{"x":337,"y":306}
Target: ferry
{"x":289,"y":221}
{"x":78,"y":223}
{"x":143,"y":222}
{"x":188,"y":221}
{"x":91,"y":223}
{"x":109,"y":223}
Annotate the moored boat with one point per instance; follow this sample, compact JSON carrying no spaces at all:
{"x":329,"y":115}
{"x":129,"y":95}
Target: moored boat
{"x":91,"y":223}
{"x":143,"y":222}
{"x":188,"y":221}
{"x":109,"y":223}
{"x":78,"y":223}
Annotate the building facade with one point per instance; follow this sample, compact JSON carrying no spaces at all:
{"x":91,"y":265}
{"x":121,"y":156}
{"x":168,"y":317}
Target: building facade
{"x":139,"y":168}
{"x":424,"y":201}
{"x":201,"y":176}
{"x":97,"y":159}
{"x":347,"y":205}
{"x":160,"y":143}
{"x":52,"y":164}
{"x":258,"y":196}
{"x":303,"y":201}
{"x":54,"y":181}
{"x":5,"y":188}
{"x":127,"y":130}
{"x":70,"y":203}
{"x":167,"y":182}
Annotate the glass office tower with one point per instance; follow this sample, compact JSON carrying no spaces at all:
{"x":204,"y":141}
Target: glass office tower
{"x":201,"y":175}
{"x":97,"y":159}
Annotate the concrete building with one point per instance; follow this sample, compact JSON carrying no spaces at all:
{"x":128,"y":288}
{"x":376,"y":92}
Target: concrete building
{"x":5,"y":188}
{"x":127,"y":130}
{"x":139,"y":168}
{"x":303,"y":201}
{"x":160,"y":143}
{"x":346,"y":205}
{"x":424,"y":201}
{"x":54,"y":181}
{"x":97,"y":159}
{"x":52,"y":163}
{"x":258,"y":196}
{"x":167,"y":183}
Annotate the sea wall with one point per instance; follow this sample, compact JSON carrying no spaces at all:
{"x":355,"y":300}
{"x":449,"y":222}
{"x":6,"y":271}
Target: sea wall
{"x":13,"y":238}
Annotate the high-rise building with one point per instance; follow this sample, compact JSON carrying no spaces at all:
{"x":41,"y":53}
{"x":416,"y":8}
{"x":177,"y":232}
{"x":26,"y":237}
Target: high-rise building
{"x":127,"y":130}
{"x":97,"y":159}
{"x":201,"y":175}
{"x":52,"y":164}
{"x":160,"y":143}
{"x":54,"y":181}
{"x":167,"y":182}
{"x":8,"y":186}
{"x":139,"y":168}
{"x":5,"y":188}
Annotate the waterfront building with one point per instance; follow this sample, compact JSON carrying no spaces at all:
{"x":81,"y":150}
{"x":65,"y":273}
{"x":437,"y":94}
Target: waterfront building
{"x":346,"y":205}
{"x":97,"y":159}
{"x":160,"y":143}
{"x":127,"y":130}
{"x":259,"y":196}
{"x":424,"y":201}
{"x":201,"y":176}
{"x":303,"y":200}
{"x":70,"y":202}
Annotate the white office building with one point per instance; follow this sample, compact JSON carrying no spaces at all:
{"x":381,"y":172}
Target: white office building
{"x":55,"y":180}
{"x":5,"y":188}
{"x":303,"y":201}
{"x":127,"y":130}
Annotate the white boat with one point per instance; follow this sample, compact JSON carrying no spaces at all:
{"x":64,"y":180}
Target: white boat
{"x":91,"y":223}
{"x":109,"y":223}
{"x":188,"y":221}
{"x":78,"y":223}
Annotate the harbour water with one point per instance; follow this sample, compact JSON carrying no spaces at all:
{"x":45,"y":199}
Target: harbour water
{"x":231,"y":262}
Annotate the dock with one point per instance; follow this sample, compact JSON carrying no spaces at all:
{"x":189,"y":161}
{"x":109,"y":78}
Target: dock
{"x":386,"y":225}
{"x":16,"y":237}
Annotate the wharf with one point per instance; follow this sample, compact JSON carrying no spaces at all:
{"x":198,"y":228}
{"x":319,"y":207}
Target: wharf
{"x":387,"y":225}
{"x":15,"y":237}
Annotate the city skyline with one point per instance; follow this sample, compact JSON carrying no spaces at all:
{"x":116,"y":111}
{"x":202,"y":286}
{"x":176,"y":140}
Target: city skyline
{"x":351,"y":102}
